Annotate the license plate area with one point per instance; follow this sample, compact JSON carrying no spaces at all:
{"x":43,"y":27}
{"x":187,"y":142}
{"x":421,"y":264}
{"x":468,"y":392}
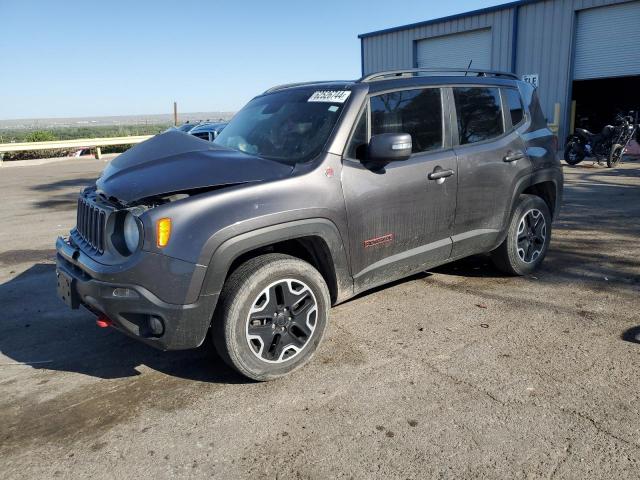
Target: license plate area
{"x":66,"y":289}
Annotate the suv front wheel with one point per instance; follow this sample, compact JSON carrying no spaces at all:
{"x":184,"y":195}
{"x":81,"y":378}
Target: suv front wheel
{"x":272,"y":315}
{"x":528,"y":236}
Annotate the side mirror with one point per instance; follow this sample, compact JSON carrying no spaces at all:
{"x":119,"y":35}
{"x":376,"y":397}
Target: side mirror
{"x":389,"y":147}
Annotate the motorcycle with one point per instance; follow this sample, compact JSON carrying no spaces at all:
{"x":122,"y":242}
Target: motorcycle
{"x":609,"y":144}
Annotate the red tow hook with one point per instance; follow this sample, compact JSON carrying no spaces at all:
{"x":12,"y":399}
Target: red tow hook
{"x":103,"y":322}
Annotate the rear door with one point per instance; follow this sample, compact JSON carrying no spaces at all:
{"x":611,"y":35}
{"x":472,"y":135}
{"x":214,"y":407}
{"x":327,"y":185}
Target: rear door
{"x":491,"y":162}
{"x":399,"y":219}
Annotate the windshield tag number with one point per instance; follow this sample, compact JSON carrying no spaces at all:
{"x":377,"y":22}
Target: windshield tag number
{"x":330,"y":96}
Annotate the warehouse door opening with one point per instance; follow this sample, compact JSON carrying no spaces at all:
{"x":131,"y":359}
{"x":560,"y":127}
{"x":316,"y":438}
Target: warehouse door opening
{"x":598,"y":101}
{"x":606,"y":69}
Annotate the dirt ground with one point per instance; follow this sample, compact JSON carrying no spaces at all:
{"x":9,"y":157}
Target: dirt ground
{"x":455,"y":373}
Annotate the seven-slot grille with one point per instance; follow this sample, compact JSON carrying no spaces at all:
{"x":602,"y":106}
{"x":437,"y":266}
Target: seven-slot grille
{"x":91,"y":224}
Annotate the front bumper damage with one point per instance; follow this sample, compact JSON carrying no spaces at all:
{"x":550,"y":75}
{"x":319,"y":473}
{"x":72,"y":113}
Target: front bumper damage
{"x":175,"y":317}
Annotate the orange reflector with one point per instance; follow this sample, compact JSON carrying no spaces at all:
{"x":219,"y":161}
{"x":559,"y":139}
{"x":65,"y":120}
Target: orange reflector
{"x":163,"y":231}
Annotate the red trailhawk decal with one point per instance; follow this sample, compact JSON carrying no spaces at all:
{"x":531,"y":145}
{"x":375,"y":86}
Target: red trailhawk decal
{"x":384,"y":239}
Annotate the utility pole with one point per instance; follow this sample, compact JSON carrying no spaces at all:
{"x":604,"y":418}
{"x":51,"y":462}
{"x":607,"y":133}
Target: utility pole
{"x":175,"y":113}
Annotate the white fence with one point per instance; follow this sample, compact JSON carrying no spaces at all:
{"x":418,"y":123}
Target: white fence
{"x":80,"y":143}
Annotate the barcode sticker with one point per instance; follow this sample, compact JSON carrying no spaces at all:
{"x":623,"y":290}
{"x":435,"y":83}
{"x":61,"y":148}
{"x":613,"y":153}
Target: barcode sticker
{"x":330,"y":96}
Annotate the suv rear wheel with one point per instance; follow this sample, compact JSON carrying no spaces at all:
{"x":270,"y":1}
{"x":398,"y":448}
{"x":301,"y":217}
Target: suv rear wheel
{"x":528,"y":236}
{"x":272,"y":315}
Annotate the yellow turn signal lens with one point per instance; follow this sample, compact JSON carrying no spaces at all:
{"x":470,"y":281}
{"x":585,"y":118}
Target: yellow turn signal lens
{"x":163,"y":232}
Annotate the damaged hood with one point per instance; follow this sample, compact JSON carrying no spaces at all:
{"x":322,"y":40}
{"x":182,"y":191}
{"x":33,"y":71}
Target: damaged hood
{"x":177,"y":162}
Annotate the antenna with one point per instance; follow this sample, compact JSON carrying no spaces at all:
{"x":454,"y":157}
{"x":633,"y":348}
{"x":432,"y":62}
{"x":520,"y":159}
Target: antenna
{"x":468,"y":67}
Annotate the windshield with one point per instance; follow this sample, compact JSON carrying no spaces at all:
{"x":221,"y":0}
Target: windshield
{"x":289,"y":126}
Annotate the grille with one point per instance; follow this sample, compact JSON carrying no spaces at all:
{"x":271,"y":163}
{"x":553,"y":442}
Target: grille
{"x":91,"y":224}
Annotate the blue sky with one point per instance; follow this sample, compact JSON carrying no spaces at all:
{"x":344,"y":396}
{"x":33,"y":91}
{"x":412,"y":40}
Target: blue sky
{"x":63,"y":58}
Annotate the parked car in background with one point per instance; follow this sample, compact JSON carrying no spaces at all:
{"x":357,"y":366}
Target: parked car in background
{"x":186,"y":127}
{"x":311,"y":195}
{"x":207,"y":130}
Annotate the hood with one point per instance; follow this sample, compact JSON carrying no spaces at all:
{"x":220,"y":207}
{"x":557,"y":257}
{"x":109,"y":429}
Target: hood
{"x":177,"y":162}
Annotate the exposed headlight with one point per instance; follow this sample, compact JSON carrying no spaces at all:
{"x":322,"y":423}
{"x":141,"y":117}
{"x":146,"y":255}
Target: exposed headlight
{"x":131,"y":232}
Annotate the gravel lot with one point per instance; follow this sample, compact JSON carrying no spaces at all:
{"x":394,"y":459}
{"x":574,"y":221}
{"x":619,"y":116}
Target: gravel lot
{"x":455,"y":373}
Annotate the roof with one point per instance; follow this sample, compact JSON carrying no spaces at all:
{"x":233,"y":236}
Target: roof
{"x":408,"y":77}
{"x":408,"y":82}
{"x":318,"y":84}
{"x":426,"y":81}
{"x":437,"y":72}
{"x":457,"y":16}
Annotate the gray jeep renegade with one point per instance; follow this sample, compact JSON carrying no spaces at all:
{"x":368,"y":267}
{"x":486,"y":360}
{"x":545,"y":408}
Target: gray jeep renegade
{"x":312,"y":194}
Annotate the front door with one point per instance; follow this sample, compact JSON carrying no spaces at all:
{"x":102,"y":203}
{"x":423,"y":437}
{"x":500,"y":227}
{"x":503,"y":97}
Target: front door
{"x":400,"y":220}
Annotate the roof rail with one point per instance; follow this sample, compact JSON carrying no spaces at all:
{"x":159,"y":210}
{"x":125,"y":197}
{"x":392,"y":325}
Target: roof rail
{"x":412,"y":71}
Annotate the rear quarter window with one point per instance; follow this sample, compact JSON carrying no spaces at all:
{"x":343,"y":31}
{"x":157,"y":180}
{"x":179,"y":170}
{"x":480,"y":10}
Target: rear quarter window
{"x":532,"y":105}
{"x":514,"y":105}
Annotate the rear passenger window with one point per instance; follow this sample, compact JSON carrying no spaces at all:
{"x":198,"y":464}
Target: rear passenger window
{"x":514,"y":104}
{"x":416,"y":112}
{"x":479,"y":113}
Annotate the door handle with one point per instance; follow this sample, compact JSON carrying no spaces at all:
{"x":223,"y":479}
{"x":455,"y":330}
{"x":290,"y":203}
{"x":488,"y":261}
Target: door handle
{"x":440,"y":174}
{"x":513,"y":156}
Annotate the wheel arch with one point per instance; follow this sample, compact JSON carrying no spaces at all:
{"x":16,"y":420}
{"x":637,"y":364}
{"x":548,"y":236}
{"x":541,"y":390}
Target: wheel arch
{"x":545,"y":190}
{"x":546,"y":184}
{"x":316,"y":241}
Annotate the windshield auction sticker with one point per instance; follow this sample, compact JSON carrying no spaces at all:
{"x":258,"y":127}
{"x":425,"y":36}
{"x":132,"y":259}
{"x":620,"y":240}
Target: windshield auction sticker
{"x":330,"y":96}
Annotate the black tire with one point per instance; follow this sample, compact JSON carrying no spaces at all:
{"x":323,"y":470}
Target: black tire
{"x":510,"y":257}
{"x":572,"y":154}
{"x":269,"y":282}
{"x":615,"y":155}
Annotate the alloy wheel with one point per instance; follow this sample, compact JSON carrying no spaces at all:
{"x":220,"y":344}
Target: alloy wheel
{"x":532,"y":235}
{"x":281,"y":321}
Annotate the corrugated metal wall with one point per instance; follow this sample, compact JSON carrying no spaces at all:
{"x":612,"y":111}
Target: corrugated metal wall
{"x":394,"y":50}
{"x":546,"y":33}
{"x":545,"y":36}
{"x":544,"y":45}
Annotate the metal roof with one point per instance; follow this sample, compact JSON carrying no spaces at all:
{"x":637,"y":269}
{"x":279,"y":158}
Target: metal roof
{"x":481,"y":11}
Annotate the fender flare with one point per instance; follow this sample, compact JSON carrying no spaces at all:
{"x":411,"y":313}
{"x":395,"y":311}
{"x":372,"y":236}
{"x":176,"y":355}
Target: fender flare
{"x":230,"y":249}
{"x":522,"y":184}
{"x":554,"y":176}
{"x":525,"y":182}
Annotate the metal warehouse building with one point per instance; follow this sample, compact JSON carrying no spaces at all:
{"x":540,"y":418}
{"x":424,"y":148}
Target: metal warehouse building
{"x":583,"y":54}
